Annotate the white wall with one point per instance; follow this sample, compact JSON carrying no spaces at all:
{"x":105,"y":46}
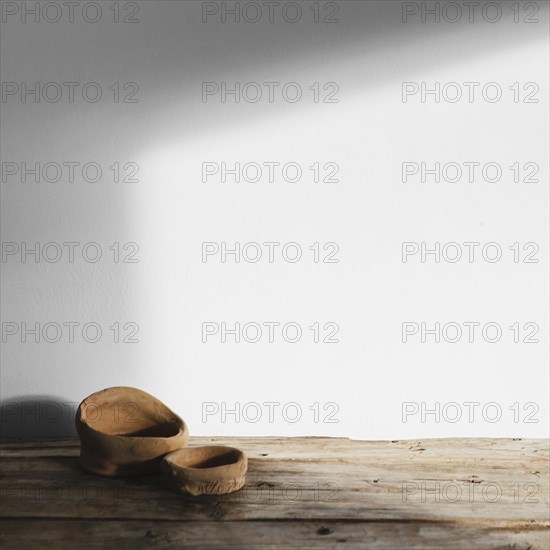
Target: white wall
{"x":369,"y":213}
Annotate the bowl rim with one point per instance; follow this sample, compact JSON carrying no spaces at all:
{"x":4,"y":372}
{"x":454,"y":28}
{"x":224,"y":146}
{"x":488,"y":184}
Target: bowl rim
{"x":83,"y":424}
{"x":170,"y":457}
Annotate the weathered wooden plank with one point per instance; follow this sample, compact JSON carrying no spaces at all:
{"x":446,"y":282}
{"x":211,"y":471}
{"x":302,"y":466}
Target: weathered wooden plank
{"x":273,"y":535}
{"x":318,"y":447}
{"x":300,"y":478}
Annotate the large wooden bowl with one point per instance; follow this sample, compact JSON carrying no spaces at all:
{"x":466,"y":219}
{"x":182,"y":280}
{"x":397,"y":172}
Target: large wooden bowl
{"x":126,"y":431}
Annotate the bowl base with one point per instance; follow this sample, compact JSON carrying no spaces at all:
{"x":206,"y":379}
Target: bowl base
{"x":97,"y":465}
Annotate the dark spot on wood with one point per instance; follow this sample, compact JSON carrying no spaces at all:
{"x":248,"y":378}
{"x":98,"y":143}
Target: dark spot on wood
{"x":395,"y":441}
{"x":341,"y":540}
{"x":265,"y":484}
{"x":472,"y":480}
{"x":218,"y":511}
{"x":375,"y":480}
{"x":516,"y":439}
{"x":324,"y":531}
{"x":263,"y":454}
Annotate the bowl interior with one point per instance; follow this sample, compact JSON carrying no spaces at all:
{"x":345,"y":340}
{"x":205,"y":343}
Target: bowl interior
{"x":207,"y":457}
{"x":129,"y":412}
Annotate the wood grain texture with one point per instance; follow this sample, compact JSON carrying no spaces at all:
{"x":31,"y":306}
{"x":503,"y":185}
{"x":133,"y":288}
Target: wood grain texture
{"x":299,"y":493}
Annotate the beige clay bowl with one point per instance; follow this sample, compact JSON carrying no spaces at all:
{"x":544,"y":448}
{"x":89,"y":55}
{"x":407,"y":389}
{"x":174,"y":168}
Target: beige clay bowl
{"x":126,"y":431}
{"x":210,"y":470}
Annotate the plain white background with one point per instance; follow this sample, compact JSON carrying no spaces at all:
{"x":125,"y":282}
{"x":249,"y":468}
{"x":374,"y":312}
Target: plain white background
{"x":369,"y":213}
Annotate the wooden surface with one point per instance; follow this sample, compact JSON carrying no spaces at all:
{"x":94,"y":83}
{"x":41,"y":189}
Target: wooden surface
{"x":299,"y":493}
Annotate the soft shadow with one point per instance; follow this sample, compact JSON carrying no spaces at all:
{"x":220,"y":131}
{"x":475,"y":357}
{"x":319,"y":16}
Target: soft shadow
{"x":33,"y":417}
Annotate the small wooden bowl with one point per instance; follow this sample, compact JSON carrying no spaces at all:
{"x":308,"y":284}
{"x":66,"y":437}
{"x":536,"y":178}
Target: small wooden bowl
{"x":126,"y":431}
{"x":209,"y":470}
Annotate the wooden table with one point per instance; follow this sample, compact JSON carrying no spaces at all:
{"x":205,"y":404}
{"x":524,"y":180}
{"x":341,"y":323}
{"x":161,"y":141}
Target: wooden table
{"x":300,"y":493}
